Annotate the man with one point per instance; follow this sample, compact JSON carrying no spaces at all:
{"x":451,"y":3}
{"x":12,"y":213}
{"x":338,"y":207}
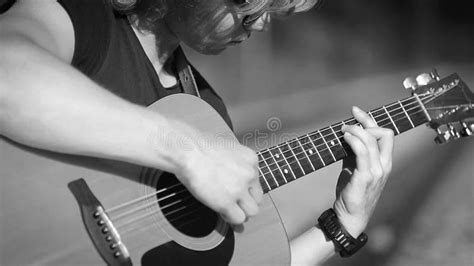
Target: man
{"x":54,"y":55}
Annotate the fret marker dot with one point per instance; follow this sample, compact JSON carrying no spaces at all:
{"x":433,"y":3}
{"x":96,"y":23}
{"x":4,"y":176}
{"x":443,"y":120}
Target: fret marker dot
{"x":310,"y":151}
{"x":285,"y":171}
{"x":277,"y":155}
{"x":332,"y":143}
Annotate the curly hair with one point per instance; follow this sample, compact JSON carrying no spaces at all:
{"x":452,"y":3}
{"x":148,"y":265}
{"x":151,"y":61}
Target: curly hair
{"x":243,"y":6}
{"x":149,"y":11}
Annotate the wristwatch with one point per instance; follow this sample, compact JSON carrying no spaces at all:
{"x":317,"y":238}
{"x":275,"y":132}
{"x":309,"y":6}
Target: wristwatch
{"x":346,"y":245}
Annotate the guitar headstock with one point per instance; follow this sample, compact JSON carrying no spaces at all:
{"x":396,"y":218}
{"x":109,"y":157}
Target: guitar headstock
{"x":450,"y":106}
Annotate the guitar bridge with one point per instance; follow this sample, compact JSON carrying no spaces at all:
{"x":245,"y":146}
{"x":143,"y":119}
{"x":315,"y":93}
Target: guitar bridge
{"x":99,"y":226}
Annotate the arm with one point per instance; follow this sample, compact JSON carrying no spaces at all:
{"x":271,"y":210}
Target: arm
{"x":359,"y":187}
{"x":47,"y":104}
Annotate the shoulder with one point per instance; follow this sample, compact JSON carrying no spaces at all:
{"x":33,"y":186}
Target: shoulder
{"x":43,"y":22}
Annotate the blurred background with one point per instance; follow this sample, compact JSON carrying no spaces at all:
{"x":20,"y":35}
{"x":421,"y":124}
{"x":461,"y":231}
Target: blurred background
{"x":306,"y":71}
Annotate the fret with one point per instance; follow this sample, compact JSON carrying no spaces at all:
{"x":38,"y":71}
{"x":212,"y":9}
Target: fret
{"x":293,"y":159}
{"x":382,"y":119}
{"x":416,"y":111}
{"x":422,"y":106}
{"x":295,"y":156}
{"x":331,"y":141}
{"x":396,"y":128}
{"x":276,"y":159}
{"x":305,"y":153}
{"x":398,"y":116}
{"x":311,"y":151}
{"x":273,"y":174}
{"x":287,"y":163}
{"x":316,"y":149}
{"x":375,"y":121}
{"x":327,"y":145}
{"x":405,"y":111}
{"x":267,"y":187}
{"x":338,"y":137}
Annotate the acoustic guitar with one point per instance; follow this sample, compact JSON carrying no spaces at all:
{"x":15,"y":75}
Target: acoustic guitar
{"x":70,"y":210}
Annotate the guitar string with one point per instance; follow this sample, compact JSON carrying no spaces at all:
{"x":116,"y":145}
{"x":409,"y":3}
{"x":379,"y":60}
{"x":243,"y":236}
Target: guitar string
{"x":323,"y":145}
{"x":149,"y":204}
{"x":123,"y":225}
{"x":179,"y":184}
{"x":147,"y":215}
{"x":348,"y":121}
{"x":124,"y":231}
{"x":310,"y":142}
{"x":187,"y":213}
{"x":119,"y":225}
{"x":126,"y":204}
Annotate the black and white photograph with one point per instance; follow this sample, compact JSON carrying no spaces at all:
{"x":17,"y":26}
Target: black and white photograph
{"x":236,"y":132}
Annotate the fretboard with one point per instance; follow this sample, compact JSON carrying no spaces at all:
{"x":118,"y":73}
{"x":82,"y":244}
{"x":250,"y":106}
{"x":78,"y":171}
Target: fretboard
{"x":303,"y":155}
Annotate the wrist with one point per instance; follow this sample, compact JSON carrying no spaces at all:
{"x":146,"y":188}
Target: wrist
{"x":182,"y":147}
{"x":353,"y":224}
{"x":166,"y":142}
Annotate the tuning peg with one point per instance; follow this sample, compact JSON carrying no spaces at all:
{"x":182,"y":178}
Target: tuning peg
{"x":447,"y":135}
{"x":453,"y":131}
{"x":443,"y":136}
{"x":434,"y":74}
{"x":466,"y":129}
{"x":423,"y":79}
{"x":410,"y":83}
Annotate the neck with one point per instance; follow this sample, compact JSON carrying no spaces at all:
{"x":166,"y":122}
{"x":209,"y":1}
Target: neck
{"x":159,"y":43}
{"x":295,"y":158}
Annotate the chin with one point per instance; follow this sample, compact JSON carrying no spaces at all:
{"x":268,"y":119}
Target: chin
{"x":209,"y":50}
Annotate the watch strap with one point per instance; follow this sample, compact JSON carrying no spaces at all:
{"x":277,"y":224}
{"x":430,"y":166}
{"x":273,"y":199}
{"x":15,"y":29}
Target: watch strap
{"x":346,"y":245}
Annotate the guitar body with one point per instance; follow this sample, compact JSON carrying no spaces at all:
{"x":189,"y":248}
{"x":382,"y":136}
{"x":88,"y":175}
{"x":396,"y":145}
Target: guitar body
{"x":158,"y":222}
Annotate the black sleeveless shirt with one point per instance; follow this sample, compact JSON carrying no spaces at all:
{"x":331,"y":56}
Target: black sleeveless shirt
{"x":108,"y":51}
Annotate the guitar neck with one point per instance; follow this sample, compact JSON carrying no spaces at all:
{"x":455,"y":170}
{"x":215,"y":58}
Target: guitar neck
{"x":286,"y":162}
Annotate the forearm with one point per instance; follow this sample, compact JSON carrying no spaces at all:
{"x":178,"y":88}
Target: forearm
{"x":311,"y":248}
{"x":45,"y":103}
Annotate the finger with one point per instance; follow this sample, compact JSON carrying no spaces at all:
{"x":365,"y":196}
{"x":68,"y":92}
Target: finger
{"x":233,"y":214}
{"x":371,"y":146}
{"x":358,"y":147}
{"x":385,"y":139}
{"x":363,"y":117}
{"x":256,"y":191}
{"x":248,"y":205}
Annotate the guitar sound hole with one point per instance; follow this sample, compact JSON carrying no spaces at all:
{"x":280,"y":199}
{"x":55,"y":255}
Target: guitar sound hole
{"x":182,"y":210}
